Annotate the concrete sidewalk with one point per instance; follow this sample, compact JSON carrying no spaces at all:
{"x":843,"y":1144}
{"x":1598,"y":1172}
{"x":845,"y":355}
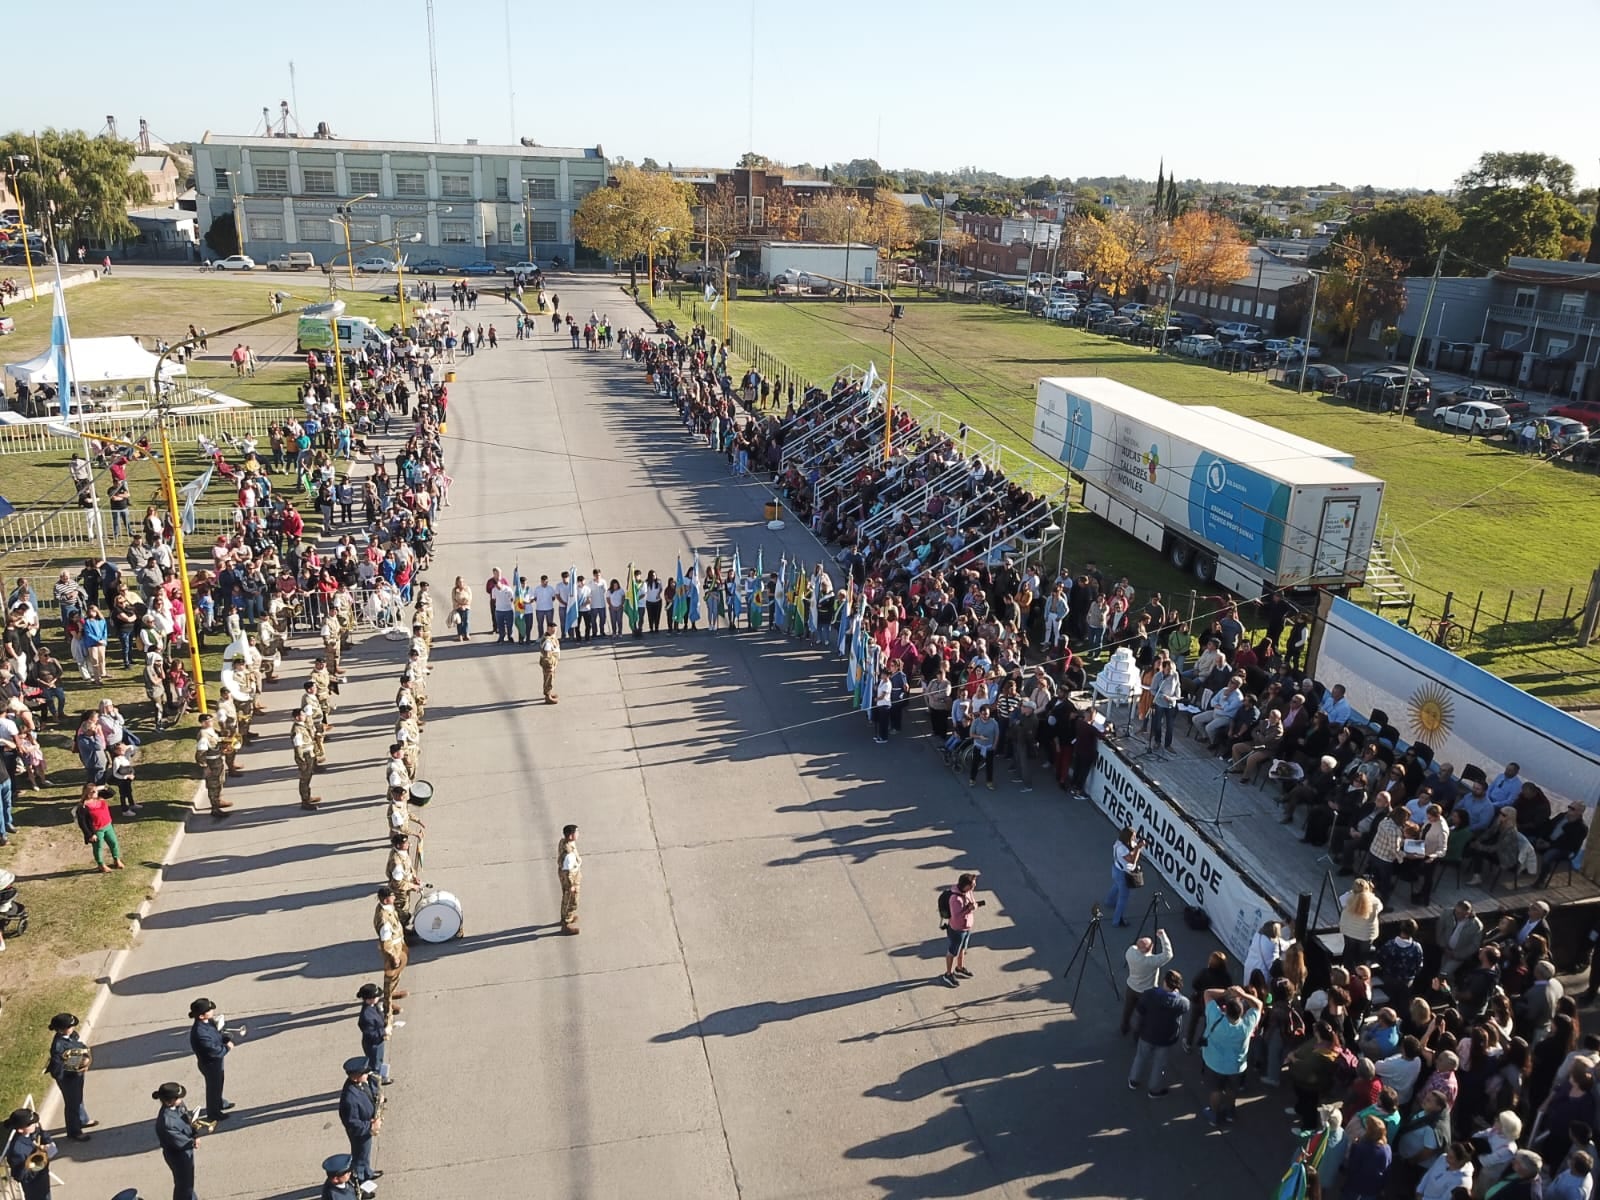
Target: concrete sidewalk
{"x":752,"y":1009}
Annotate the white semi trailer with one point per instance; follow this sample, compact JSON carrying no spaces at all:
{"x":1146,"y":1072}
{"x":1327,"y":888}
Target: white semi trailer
{"x":1234,"y":501}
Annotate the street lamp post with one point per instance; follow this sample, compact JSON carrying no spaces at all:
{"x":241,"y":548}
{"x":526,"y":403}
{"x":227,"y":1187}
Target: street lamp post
{"x":650,"y":259}
{"x":344,"y":219}
{"x":235,"y":202}
{"x":850,"y":234}
{"x":22,"y":223}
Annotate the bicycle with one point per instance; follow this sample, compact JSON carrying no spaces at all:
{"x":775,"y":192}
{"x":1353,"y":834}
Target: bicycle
{"x":1441,"y":631}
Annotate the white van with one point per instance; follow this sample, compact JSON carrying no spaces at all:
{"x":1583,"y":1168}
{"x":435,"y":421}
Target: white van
{"x":1197,"y":345}
{"x":355,"y":333}
{"x":295,"y":260}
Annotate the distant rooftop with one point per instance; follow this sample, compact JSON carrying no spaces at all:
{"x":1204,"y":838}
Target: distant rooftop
{"x":259,"y":141}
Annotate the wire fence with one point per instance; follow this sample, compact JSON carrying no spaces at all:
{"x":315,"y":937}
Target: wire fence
{"x":1491,"y":620}
{"x":72,"y":528}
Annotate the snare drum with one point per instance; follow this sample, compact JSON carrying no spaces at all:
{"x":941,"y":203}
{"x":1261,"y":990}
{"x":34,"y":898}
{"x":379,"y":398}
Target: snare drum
{"x":421,"y":793}
{"x":438,"y":917}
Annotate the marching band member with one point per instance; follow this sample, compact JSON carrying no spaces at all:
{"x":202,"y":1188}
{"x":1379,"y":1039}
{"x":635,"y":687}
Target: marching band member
{"x":27,"y":1139}
{"x":69,"y":1061}
{"x":176,"y":1134}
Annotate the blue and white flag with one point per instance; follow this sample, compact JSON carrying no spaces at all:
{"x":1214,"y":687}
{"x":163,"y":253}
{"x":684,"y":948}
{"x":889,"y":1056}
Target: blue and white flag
{"x":736,"y":600}
{"x":572,"y":608}
{"x":844,"y":615}
{"x":712,"y":295}
{"x":812,"y":617}
{"x":190,"y":494}
{"x":780,"y":597}
{"x":680,"y":595}
{"x":61,"y":349}
{"x":694,"y":586}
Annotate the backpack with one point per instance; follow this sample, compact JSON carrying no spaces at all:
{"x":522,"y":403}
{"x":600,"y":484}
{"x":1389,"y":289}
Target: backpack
{"x":1296,"y":1024}
{"x":944,"y":907}
{"x":85,"y":826}
{"x":1345,"y":1067}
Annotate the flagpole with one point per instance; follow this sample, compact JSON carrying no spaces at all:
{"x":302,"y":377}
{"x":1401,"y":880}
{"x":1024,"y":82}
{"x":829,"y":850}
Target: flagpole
{"x":65,"y":390}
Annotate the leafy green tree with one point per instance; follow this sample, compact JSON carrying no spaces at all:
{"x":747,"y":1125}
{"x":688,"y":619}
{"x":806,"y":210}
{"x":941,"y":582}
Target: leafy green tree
{"x":1500,"y":169}
{"x":1594,"y":242}
{"x":223,"y":236}
{"x":79,"y":181}
{"x":1504,"y":221}
{"x":1412,"y":231}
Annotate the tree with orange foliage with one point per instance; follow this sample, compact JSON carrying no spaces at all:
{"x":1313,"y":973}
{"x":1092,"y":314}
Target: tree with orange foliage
{"x":1207,"y":249}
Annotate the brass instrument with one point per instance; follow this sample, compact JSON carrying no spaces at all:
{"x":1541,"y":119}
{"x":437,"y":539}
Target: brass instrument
{"x":221,"y":1022}
{"x":77,"y":1059}
{"x":200,"y":1125}
{"x":39,"y":1160}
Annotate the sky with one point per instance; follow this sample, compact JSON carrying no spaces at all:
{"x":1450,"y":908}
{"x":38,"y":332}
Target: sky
{"x":1395,"y":93}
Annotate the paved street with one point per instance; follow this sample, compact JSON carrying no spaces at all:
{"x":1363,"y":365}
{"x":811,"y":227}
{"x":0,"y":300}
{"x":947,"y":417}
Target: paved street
{"x":752,"y":1008}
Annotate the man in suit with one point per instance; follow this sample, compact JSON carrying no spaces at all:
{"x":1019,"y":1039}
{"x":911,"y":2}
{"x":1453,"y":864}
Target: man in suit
{"x":210,"y":1046}
{"x":1458,"y":937}
{"x":1536,"y":1007}
{"x":1512,"y":930}
{"x":1559,"y":841}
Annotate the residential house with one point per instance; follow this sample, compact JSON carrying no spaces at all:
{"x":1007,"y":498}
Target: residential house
{"x":1270,"y":294}
{"x":1008,"y":245}
{"x":162,"y":172}
{"x":1533,"y":324}
{"x":751,"y":206}
{"x":463,"y":203}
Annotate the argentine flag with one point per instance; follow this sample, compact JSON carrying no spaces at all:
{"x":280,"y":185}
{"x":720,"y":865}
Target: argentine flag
{"x":61,"y":348}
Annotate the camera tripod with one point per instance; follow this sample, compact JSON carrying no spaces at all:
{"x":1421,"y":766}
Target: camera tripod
{"x":1093,"y":936}
{"x":1157,"y":901}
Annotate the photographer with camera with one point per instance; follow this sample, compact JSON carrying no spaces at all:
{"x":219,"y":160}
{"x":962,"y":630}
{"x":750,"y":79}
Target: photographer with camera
{"x":1126,"y":874}
{"x":1145,"y":958}
{"x":959,"y":911}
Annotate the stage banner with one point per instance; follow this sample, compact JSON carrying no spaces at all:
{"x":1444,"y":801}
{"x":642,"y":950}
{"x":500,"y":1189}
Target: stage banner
{"x":1196,"y":871}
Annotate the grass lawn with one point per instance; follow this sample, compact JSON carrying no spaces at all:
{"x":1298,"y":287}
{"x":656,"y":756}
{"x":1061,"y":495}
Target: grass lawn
{"x":1475,"y":517}
{"x":165,"y":307}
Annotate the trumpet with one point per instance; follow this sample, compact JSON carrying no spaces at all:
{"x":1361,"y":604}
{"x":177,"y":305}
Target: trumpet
{"x":221,"y":1023}
{"x":201,"y":1126}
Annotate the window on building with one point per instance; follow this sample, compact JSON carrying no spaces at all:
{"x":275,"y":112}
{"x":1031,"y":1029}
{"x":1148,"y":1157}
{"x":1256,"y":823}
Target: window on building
{"x":1235,"y":304}
{"x":1526,"y":297}
{"x":543,"y":231}
{"x":539,"y":189}
{"x":1272,"y":311}
{"x":314,"y":229}
{"x":405,"y":227}
{"x":1556,"y":347}
{"x":272,"y":179}
{"x":219,"y":178}
{"x":455,"y":187}
{"x":317,"y":181}
{"x":265,"y":229}
{"x":367,"y":229}
{"x":1510,"y":339}
{"x":503,"y":232}
{"x":502,"y":189}
{"x":455,"y":233}
{"x":758,"y":211}
{"x":583,"y":187}
{"x":410,"y":183}
{"x":1572,"y":304}
{"x":362,"y":181}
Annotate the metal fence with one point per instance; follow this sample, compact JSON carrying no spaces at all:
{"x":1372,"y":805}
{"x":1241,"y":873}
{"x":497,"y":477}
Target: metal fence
{"x":183,"y":426}
{"x":47,"y":531}
{"x":1498,"y":620}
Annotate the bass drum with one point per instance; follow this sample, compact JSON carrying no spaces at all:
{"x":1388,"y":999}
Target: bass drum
{"x":421,"y":793}
{"x":438,"y":917}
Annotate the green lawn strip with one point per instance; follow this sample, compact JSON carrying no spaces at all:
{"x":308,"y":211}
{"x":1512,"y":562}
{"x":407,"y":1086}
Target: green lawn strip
{"x":1477,"y":517}
{"x":77,"y":916}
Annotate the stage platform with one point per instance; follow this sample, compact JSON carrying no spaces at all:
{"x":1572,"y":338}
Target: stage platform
{"x":1219,"y":843}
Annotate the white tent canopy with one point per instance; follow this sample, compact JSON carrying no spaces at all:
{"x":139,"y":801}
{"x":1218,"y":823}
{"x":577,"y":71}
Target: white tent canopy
{"x":96,"y":360}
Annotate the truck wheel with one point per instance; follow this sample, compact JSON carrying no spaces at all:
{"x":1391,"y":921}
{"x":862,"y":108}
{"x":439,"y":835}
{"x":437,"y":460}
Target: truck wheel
{"x":1180,"y":554}
{"x":1205,"y":568}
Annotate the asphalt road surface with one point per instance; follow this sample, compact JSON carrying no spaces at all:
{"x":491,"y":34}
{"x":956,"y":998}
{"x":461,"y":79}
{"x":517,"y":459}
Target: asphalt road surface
{"x":752,"y":1009}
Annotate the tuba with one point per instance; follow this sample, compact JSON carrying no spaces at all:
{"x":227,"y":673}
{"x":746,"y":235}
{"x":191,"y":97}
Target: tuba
{"x":77,"y":1059}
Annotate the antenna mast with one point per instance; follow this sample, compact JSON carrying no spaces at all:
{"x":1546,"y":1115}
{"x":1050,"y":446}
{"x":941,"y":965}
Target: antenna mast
{"x":511,"y":87}
{"x":433,"y":70}
{"x":294,"y":96}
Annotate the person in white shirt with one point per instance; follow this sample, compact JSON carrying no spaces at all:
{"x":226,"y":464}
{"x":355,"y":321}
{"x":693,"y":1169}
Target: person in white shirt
{"x":503,"y":603}
{"x":1451,"y":1170}
{"x":1166,"y":689}
{"x":1402,"y":1071}
{"x":1210,"y":721}
{"x":544,"y":604}
{"x":1145,"y":958}
{"x":594,"y":607}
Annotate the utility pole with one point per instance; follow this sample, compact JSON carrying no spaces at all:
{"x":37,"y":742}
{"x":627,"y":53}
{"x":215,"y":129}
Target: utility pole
{"x":1590,"y":624}
{"x":1311,"y":325}
{"x":1422,"y":326}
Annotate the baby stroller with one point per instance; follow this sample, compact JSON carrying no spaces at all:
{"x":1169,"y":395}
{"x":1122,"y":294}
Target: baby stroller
{"x":13,"y":912}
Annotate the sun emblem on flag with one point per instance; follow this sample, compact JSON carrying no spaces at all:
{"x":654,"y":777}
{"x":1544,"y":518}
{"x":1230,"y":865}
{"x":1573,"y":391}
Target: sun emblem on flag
{"x":1431,"y":712}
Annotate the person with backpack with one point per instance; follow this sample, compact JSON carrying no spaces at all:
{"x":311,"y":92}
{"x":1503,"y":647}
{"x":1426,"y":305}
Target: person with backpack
{"x":94,"y":819}
{"x":1232,"y":1015}
{"x":957,"y":914}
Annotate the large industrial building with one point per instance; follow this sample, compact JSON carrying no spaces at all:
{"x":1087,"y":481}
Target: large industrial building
{"x":469,"y":202}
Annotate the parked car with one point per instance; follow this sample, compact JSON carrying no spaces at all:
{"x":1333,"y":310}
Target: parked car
{"x":1197,"y":345}
{"x":1585,"y":411}
{"x":522,"y":268}
{"x":962,"y":272}
{"x":1321,"y":377}
{"x":1133,"y":310}
{"x":1061,"y":310}
{"x":374,"y":266}
{"x":1472,"y":416}
{"x":1381,"y":388}
{"x":234,"y":262}
{"x":1192,"y":323}
{"x":481,"y":267}
{"x":294,"y":260}
{"x":1239,"y":329}
{"x":1564,"y":432}
{"x":427,"y":266}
